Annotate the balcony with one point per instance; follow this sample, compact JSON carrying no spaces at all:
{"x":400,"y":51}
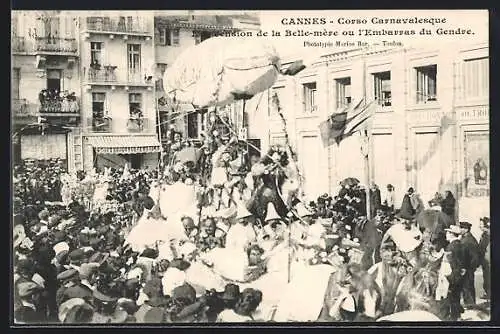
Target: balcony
{"x":109,"y":75}
{"x":56,"y":45}
{"x":18,"y":44}
{"x":101,"y":124}
{"x":118,"y":25}
{"x":138,"y":77}
{"x":106,"y":74}
{"x":120,"y":125}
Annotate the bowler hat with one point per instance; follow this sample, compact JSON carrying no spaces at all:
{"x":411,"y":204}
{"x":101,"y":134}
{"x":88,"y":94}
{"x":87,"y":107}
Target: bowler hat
{"x":466,"y":225}
{"x":231,"y":292}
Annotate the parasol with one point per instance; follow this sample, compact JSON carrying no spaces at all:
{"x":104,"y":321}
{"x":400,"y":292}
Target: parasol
{"x":350,"y":181}
{"x":223,"y":69}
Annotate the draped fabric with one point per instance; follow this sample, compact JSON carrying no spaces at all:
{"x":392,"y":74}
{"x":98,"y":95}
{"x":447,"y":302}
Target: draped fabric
{"x":214,"y":71}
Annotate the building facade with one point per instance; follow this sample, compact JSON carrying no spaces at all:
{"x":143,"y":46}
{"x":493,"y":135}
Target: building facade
{"x":118,"y":98}
{"x":173,"y":35}
{"x":431,"y":131}
{"x":45,"y":87}
{"x":111,"y":63}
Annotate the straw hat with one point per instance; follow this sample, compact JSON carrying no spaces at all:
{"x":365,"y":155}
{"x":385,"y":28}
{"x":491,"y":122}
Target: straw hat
{"x":455,"y":229}
{"x":272,"y":214}
{"x":242,"y":212}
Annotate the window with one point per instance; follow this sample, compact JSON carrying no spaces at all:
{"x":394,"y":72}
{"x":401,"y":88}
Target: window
{"x":343,"y":91}
{"x":51,"y":26}
{"x":134,"y":58}
{"x":135,"y":104}
{"x":382,"y":88}
{"x":16,"y":78}
{"x":169,"y":37}
{"x":96,"y":53}
{"x":54,"y":80}
{"x":310,"y":97}
{"x":476,"y":78}
{"x":98,"y":103}
{"x":426,"y":83}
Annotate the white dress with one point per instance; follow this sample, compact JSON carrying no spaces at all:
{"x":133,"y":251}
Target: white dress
{"x":147,"y":232}
{"x":239,"y":237}
{"x":100,"y":192}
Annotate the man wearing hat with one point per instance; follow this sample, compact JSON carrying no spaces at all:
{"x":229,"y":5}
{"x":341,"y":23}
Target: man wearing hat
{"x":455,"y":257}
{"x":67,"y":279}
{"x":29,"y":294}
{"x":472,"y":260}
{"x":484,"y":247}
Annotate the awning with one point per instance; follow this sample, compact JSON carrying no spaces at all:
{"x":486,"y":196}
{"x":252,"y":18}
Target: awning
{"x":125,"y":144}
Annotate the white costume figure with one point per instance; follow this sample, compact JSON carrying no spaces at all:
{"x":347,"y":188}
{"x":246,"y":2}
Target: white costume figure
{"x":154,"y":191}
{"x":66,"y":191}
{"x":147,"y":232}
{"x":101,"y":188}
{"x":177,"y":198}
{"x":219,"y":172}
{"x":405,"y":240}
{"x":240,"y":235}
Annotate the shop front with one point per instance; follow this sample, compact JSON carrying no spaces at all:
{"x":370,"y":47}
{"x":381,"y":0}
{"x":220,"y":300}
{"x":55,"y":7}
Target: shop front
{"x":116,"y":151}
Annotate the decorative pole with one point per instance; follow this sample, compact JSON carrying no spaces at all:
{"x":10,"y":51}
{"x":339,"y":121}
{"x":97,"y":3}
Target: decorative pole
{"x":365,"y":145}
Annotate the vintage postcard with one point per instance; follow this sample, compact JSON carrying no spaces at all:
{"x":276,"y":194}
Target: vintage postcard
{"x":250,"y":166}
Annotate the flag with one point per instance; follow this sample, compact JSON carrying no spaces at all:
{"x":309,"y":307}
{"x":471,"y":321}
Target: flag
{"x":345,"y":123}
{"x":359,"y":119}
{"x":333,"y":127}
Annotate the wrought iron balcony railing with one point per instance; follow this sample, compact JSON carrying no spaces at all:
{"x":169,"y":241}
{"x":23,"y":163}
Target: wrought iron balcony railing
{"x":121,"y":24}
{"x":103,"y":74}
{"x":121,"y":125}
{"x":59,"y":106}
{"x":56,"y":44}
{"x":101,"y":124}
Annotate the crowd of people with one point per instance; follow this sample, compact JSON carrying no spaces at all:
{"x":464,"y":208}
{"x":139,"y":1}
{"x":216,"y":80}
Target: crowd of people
{"x":52,"y":100}
{"x":221,"y":242}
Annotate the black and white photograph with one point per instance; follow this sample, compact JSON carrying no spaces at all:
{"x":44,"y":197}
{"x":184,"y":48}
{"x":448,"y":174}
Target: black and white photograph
{"x":202,"y":166}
